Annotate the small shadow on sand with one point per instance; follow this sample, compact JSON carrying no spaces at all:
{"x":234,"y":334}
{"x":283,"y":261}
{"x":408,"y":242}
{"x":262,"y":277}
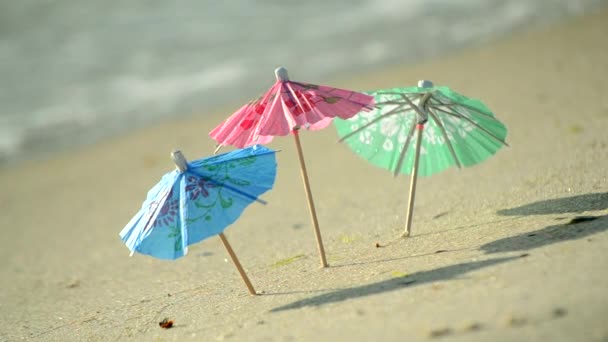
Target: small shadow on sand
{"x":576,"y":228}
{"x":419,"y":278}
{"x":573,"y":204}
{"x":376,"y":261}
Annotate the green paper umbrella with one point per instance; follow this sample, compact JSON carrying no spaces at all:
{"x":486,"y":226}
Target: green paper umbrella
{"x":449,"y":129}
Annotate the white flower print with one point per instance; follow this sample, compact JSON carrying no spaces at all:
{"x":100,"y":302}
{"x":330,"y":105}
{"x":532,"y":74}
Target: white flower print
{"x":456,"y":127}
{"x":366,"y":116}
{"x":386,"y":109}
{"x":365,"y":137}
{"x":402,"y":136}
{"x":430,"y":137}
{"x":464,"y":128}
{"x":388,"y":145}
{"x":389,"y":126}
{"x":423,"y":149}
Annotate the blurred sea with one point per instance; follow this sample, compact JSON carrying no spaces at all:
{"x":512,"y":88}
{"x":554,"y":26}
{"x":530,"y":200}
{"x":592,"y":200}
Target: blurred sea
{"x":75,"y":71}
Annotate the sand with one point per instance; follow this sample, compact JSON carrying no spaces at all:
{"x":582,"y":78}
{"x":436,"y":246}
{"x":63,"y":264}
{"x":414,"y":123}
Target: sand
{"x":492,"y":256}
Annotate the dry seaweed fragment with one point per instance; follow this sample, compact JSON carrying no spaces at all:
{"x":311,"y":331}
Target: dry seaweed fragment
{"x":287,"y":261}
{"x":398,"y":274}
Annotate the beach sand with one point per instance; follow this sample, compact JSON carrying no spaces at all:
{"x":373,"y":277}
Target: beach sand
{"x":492,"y":256}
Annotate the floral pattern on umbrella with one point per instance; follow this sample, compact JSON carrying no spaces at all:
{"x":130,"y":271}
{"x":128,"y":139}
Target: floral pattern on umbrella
{"x":458,"y":131}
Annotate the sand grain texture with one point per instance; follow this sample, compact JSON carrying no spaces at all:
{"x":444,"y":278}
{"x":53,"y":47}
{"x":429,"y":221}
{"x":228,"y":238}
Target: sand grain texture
{"x":492,"y":257}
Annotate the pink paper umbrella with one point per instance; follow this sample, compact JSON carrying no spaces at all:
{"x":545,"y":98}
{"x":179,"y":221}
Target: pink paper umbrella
{"x":284,"y":109}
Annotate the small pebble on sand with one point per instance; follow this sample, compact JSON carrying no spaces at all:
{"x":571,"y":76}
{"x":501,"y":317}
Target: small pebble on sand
{"x":514,"y":321}
{"x":440,"y":332}
{"x":472,"y":326}
{"x":559,"y":312}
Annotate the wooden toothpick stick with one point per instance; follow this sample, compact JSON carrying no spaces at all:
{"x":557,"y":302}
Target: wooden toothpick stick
{"x":236,"y":262}
{"x":311,"y":204}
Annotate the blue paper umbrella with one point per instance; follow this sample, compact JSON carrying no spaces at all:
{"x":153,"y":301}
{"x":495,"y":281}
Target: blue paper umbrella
{"x":198,"y":200}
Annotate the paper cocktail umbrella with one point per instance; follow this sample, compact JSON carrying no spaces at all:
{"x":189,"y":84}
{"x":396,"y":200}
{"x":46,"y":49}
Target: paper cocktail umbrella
{"x":284,"y":109}
{"x":421,"y":131}
{"x":199,"y":200}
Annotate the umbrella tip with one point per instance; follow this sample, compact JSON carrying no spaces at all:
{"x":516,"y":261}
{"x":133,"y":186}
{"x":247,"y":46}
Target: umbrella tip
{"x":180,"y":161}
{"x":425,"y":84}
{"x":281,"y":74}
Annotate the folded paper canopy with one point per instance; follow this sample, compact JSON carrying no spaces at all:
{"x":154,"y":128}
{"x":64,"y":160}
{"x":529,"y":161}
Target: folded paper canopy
{"x":458,"y":131}
{"x":199,"y":201}
{"x":286,"y":106}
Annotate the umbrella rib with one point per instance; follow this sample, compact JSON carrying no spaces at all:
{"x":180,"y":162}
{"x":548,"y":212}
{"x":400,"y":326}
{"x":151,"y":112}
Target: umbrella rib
{"x":448,"y":106}
{"x":164,"y":197}
{"x":238,"y":158}
{"x":149,"y":222}
{"x":271,"y":100}
{"x":389,"y":102}
{"x":465,"y":106}
{"x":400,"y":93}
{"x":311,"y":105}
{"x":398,"y":102}
{"x":254,"y":198}
{"x":350,"y":96}
{"x":373,"y":121}
{"x":406,"y":145}
{"x":242,"y":193}
{"x":445,"y":135}
{"x":460,"y":116}
{"x":364,"y":105}
{"x":293,"y":95}
{"x":418,"y":110}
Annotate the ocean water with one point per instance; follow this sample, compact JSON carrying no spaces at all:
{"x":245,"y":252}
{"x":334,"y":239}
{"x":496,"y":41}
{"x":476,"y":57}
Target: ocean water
{"x":73,"y":72}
